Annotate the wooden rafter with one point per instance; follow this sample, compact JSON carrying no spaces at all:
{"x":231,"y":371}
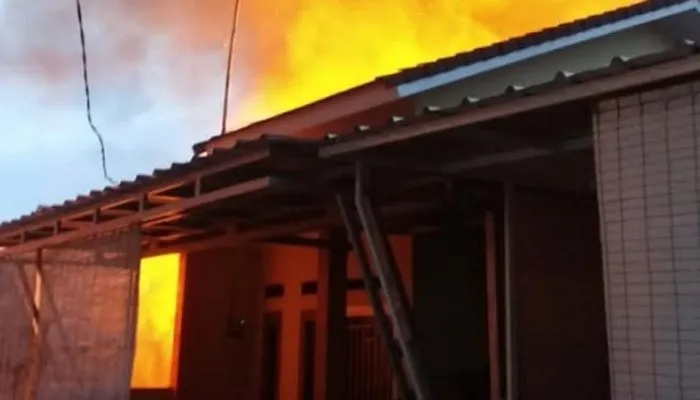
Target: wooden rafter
{"x":119,"y":206}
{"x":246,"y":188}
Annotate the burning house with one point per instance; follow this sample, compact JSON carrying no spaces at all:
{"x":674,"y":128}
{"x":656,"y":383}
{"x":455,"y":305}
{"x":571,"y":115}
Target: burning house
{"x":519,"y":221}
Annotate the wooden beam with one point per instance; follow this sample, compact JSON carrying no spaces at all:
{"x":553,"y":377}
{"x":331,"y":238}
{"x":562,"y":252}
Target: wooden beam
{"x":299,"y":241}
{"x":331,"y":322}
{"x":508,"y":157}
{"x":162,"y":199}
{"x":236,"y":238}
{"x":245,"y":188}
{"x":116,"y":212}
{"x":506,"y":108}
{"x":110,"y":201}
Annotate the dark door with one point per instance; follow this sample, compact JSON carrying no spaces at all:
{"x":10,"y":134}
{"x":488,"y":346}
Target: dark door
{"x":368,"y":375}
{"x":449,"y":310}
{"x":308,"y":355}
{"x":272,"y":329}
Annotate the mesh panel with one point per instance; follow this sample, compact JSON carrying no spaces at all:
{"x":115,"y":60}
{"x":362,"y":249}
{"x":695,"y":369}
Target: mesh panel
{"x":647,"y":156}
{"x":83,"y":344}
{"x":88,"y":317}
{"x":15,"y":328}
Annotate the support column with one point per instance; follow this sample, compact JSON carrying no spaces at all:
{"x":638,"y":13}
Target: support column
{"x":331,"y":324}
{"x":511,"y":367}
{"x":492,"y":305}
{"x":647,"y":160}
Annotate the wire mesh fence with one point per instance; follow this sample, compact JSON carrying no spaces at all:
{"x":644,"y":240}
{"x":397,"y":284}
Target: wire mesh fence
{"x":68,"y":319}
{"x":15,"y":328}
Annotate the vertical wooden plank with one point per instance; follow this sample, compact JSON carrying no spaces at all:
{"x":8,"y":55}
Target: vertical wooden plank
{"x":492,"y":306}
{"x":331,"y":325}
{"x":509,"y":296}
{"x":175,"y":367}
{"x":35,"y":349}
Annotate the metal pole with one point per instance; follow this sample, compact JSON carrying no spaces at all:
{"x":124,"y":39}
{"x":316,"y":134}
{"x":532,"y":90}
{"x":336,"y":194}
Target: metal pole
{"x":227,"y":81}
{"x":509,"y":283}
{"x":392,"y":285}
{"x":375,"y":301}
{"x":492,"y":305}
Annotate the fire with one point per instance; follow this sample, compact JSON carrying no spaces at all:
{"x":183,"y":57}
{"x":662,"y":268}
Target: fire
{"x":333,"y":45}
{"x":157,"y":313}
{"x":293,"y":52}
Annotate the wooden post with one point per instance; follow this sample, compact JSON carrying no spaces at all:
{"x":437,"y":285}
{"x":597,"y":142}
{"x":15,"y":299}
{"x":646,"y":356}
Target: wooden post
{"x":492,"y":306}
{"x":331,"y":324}
{"x":34,"y":364}
{"x":509,"y":298}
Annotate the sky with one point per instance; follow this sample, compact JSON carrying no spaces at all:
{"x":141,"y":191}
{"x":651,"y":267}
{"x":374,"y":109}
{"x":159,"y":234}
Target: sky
{"x":153,"y":97}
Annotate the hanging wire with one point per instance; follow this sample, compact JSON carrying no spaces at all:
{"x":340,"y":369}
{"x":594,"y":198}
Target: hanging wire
{"x":227,"y":83}
{"x":88,"y":105}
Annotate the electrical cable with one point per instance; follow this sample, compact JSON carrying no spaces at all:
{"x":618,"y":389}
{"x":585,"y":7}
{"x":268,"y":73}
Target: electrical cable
{"x":227,"y":84}
{"x":88,"y":105}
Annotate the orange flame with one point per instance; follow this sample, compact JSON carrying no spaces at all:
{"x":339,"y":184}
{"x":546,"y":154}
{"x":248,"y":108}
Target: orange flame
{"x":294,"y":52}
{"x":155,"y":331}
{"x":333,"y":45}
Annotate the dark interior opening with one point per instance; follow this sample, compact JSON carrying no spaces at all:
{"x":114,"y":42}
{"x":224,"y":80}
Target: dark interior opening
{"x":450,"y":310}
{"x":308,"y":355}
{"x":272,"y":337}
{"x":368,"y":375}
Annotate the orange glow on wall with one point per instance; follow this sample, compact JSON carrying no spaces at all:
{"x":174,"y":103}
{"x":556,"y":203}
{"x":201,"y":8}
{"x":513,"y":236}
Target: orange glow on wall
{"x":157,"y":318}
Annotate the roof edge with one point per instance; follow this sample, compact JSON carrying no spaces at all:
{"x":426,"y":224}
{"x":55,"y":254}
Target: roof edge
{"x":424,"y":84}
{"x":261,"y":126}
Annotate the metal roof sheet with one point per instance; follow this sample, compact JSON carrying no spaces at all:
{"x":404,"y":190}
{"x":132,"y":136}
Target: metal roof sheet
{"x":527,"y":40}
{"x":617,"y":65}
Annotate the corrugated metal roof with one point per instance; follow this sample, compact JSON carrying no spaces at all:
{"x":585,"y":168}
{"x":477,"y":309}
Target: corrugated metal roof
{"x":162,"y":175}
{"x":528,"y":40}
{"x":503,"y":48}
{"x":562,"y":79}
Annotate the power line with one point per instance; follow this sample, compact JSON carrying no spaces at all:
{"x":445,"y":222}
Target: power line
{"x":227,"y":84}
{"x":88,"y":105}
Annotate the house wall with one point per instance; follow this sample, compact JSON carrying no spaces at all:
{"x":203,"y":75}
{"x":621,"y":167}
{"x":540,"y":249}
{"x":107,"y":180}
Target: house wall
{"x":222,"y":286}
{"x":559,"y":309}
{"x":594,"y":54}
{"x":291,"y":266}
{"x":648,"y":162}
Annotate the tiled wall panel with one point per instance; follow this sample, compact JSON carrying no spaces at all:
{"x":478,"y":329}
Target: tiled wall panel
{"x":647,"y":148}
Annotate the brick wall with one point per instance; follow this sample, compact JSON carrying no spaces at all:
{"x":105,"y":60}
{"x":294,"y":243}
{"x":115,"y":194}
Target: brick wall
{"x":647,"y":157}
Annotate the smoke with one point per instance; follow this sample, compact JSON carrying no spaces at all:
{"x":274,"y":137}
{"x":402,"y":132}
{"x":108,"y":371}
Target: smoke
{"x":287,"y":53}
